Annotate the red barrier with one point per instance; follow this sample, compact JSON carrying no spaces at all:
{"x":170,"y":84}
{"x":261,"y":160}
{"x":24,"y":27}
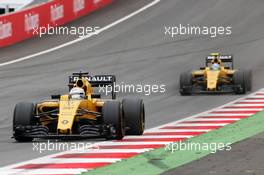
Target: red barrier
{"x":16,"y":27}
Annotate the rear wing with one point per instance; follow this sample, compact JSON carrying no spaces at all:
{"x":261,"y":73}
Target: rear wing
{"x":95,"y":80}
{"x":223,"y":58}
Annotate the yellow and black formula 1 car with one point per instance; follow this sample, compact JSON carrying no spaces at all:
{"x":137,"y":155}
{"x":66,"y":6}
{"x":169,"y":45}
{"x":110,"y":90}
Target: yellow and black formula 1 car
{"x":218,"y":76}
{"x":80,"y":114}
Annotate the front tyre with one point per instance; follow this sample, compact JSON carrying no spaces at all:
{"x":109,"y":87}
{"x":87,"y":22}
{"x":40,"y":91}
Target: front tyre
{"x":113,"y":116}
{"x":23,"y":116}
{"x":134,"y":114}
{"x":239,"y":82}
{"x":248,"y":79}
{"x":185,"y":83}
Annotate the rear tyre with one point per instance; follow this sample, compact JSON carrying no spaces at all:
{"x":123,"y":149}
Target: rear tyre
{"x":134,"y":114}
{"x":185,"y":83}
{"x":112,"y":115}
{"x":239,"y":82}
{"x":248,"y":79}
{"x":23,"y":116}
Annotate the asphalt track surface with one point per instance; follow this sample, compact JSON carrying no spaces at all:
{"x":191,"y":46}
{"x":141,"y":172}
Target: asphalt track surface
{"x":135,"y":51}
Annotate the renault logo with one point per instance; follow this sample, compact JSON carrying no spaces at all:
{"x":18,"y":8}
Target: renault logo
{"x":64,"y":122}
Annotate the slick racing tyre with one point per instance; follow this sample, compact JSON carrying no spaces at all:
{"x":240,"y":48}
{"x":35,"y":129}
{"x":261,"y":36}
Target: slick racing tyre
{"x":185,"y":83}
{"x":239,"y":82}
{"x":248,"y":79}
{"x":134,"y":114}
{"x":23,"y":116}
{"x":113,"y":116}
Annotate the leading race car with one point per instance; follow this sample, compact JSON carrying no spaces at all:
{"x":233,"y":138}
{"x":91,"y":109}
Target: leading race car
{"x":80,"y":113}
{"x":218,"y":76}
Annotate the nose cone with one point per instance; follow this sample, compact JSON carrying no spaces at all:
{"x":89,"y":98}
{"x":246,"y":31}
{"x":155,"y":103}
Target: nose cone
{"x":212,"y":78}
{"x":68,"y":110}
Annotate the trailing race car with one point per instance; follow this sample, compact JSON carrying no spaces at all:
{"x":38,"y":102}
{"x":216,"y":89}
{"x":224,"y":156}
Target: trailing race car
{"x":218,"y":76}
{"x":80,"y":114}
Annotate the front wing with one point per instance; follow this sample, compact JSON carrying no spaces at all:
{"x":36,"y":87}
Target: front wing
{"x":86,"y":132}
{"x":225,"y":89}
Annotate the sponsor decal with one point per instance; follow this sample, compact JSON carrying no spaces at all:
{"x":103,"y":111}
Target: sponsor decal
{"x":56,"y":12}
{"x":78,"y":5}
{"x":95,"y":78}
{"x":64,"y":122}
{"x":31,"y":21}
{"x":5,"y":30}
{"x":95,"y":2}
{"x":220,"y":57}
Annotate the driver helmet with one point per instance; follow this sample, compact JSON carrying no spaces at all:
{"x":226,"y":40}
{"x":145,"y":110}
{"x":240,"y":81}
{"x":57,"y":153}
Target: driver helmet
{"x":77,"y":93}
{"x":215,"y":62}
{"x":215,"y":66}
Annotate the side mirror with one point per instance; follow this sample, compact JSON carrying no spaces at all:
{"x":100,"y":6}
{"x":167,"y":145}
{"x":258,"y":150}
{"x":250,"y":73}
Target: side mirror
{"x":55,"y":96}
{"x":96,"y":95}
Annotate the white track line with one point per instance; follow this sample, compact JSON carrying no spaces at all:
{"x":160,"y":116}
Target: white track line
{"x":82,"y":38}
{"x":203,"y":124}
{"x":110,"y":151}
{"x":50,"y":171}
{"x":213,"y":119}
{"x":75,"y":160}
{"x":179,"y":130}
{"x":158,"y":136}
{"x":134,"y":143}
{"x":246,"y":105}
{"x":257,"y":96}
{"x":238,"y":109}
{"x":262,"y":101}
{"x":238,"y":114}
